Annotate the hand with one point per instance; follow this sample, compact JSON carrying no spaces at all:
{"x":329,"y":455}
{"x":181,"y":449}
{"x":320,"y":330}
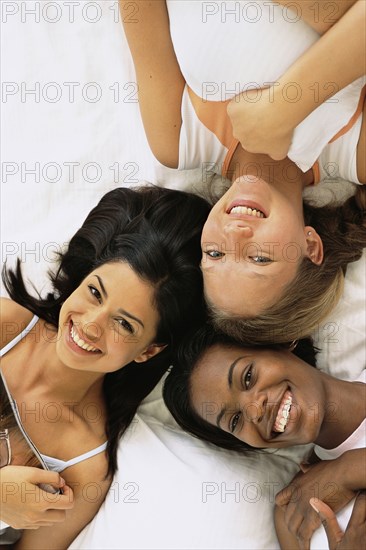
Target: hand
{"x":323,"y":480}
{"x":355,"y":534}
{"x":260,"y":124}
{"x":24,"y":505}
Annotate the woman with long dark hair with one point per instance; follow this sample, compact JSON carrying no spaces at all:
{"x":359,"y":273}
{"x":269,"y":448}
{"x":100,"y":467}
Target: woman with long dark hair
{"x":126,"y":290}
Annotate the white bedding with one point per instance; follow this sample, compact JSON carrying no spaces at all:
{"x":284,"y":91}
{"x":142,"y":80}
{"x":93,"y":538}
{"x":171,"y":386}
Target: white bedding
{"x":171,"y":491}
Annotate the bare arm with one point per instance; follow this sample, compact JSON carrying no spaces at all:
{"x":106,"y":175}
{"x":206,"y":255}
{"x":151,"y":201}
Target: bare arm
{"x":335,"y":482}
{"x":337,"y":58}
{"x":266,"y":125}
{"x":321,"y":15}
{"x":90,"y":488}
{"x":159,"y":78}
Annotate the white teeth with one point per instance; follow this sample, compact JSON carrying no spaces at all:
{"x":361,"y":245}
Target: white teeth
{"x":283,"y":413}
{"x":246,"y":210}
{"x":80,"y":342}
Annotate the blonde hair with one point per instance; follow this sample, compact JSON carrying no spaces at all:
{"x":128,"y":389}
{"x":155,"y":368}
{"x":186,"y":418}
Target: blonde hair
{"x":315,"y":291}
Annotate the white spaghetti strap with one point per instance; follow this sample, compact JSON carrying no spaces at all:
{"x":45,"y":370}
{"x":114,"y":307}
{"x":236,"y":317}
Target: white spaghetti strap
{"x":20,"y":336}
{"x":53,"y":464}
{"x":57,"y":465}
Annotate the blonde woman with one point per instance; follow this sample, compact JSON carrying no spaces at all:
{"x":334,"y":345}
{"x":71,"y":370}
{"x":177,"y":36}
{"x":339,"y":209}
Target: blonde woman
{"x":273,"y":266}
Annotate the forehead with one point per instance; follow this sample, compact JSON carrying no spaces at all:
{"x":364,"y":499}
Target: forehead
{"x":120,"y":271}
{"x":215,"y":361}
{"x":238,"y":290}
{"x":125,"y":286}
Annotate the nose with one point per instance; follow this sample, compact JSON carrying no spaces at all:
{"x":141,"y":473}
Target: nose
{"x":255,"y":408}
{"x":93,"y":324}
{"x":238,"y":230}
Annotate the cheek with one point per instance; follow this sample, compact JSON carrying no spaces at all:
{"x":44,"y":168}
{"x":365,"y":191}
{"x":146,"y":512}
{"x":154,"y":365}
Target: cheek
{"x":71,"y":304}
{"x":209,"y":231}
{"x":205,"y":236}
{"x":122,"y":350}
{"x":252,"y":438}
{"x":62,"y":316}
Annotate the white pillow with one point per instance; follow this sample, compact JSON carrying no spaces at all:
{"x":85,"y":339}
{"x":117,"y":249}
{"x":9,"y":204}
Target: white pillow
{"x":173,"y":491}
{"x":190,"y":494}
{"x":167,"y":471}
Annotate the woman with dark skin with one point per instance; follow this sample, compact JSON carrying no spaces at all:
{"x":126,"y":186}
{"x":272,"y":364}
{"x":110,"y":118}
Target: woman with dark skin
{"x":245,"y":398}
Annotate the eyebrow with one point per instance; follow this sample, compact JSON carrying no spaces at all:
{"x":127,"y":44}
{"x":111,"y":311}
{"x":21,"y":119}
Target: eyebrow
{"x":120,"y":310}
{"x":231,"y":370}
{"x":212,"y":269}
{"x":230,"y":383}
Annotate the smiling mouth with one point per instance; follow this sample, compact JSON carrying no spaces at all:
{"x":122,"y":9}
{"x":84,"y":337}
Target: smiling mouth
{"x":283,"y":414}
{"x":247,"y":211}
{"x":80,"y":342}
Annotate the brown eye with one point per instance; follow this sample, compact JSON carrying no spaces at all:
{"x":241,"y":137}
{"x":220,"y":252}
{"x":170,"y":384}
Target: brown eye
{"x":126,"y":325}
{"x":248,"y":377}
{"x":234,"y":422}
{"x":95,"y":292}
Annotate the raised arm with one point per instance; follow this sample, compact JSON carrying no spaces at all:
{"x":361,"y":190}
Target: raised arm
{"x":321,"y":15}
{"x":333,"y":62}
{"x":160,"y":81}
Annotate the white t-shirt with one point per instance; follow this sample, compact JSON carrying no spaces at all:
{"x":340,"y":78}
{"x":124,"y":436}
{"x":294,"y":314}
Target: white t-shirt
{"x":224,"y":48}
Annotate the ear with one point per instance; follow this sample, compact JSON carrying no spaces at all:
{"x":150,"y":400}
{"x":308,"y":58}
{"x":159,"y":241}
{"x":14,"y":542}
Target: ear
{"x":314,"y":245}
{"x":150,"y":352}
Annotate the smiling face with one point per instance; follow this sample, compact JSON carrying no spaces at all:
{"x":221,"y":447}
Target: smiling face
{"x":265,"y":398}
{"x":108,"y":321}
{"x":252,"y":243}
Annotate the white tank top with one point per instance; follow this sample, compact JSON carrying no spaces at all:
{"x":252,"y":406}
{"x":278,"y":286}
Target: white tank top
{"x":53,"y":464}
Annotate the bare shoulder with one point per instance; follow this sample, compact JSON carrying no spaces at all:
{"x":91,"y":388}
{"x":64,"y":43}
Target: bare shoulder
{"x":90,"y":486}
{"x":14,"y":318}
{"x":92,"y":471}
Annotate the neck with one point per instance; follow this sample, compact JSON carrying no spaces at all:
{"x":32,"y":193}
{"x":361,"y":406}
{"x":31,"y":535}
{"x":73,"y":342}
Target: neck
{"x":344,"y":411}
{"x":278,"y":173}
{"x":60,"y":381}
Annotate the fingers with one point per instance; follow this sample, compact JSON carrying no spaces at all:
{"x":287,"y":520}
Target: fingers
{"x":358,"y":516}
{"x":306,"y":530}
{"x":48,"y":514}
{"x":329,"y":521}
{"x":284,"y":496}
{"x":67,"y":494}
{"x":38,"y":476}
{"x":301,"y":525}
{"x":43,"y":523}
{"x":59,"y":501}
{"x":53,"y":516}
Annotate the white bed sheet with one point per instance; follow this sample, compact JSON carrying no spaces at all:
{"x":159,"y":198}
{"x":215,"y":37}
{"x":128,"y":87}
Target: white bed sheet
{"x":171,"y":490}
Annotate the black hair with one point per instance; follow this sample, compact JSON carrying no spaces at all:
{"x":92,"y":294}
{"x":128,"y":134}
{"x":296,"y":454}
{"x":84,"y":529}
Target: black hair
{"x":157,"y":232}
{"x":177,"y":386}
